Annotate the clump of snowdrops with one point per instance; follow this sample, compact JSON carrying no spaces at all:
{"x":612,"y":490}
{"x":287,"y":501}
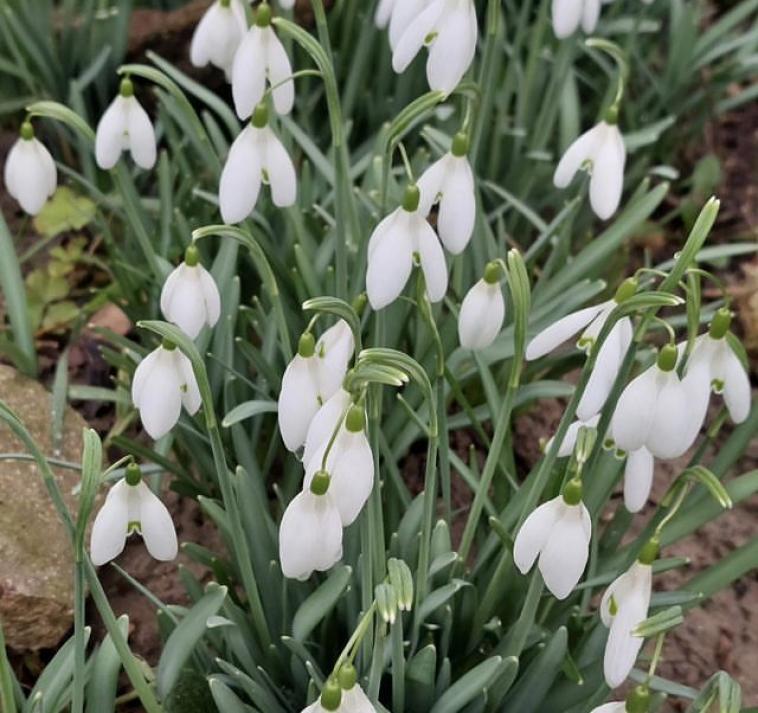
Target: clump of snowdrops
{"x":317,"y":299}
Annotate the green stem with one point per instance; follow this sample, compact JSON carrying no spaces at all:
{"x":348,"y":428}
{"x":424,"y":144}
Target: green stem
{"x":77,"y":701}
{"x":7,"y":698}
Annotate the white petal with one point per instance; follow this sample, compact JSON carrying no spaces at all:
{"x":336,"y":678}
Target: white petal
{"x":111,"y":131}
{"x":393,"y":221}
{"x":182,"y":300}
{"x":191,"y":398}
{"x":581,"y":150}
{"x":638,"y":479}
{"x":457,"y":216}
{"x":280,"y":170}
{"x":481,"y":316}
{"x":390,"y":262}
{"x":383,"y":13}
{"x":566,"y":16}
{"x":533,"y":535}
{"x":211,"y":296}
{"x":241,"y":178}
{"x":622,"y":647}
{"x":310,"y":535}
{"x":356,"y":701}
{"x":590,"y":15}
{"x":432,"y":260}
{"x":635,"y":410}
{"x":412,"y":38}
{"x":334,"y":349}
{"x":324,"y":422}
{"x":156,"y":393}
{"x":566,"y":551}
{"x":697,"y":385}
{"x":558,"y":332}
{"x":298,"y":400}
{"x":27,"y":174}
{"x":203,"y":37}
{"x":669,"y":435}
{"x":603,"y":374}
{"x":156,"y":525}
{"x":572,"y":433}
{"x":431,"y":182}
{"x":613,"y":707}
{"x":48,"y":166}
{"x":453,"y":49}
{"x":729,"y":369}
{"x":403,"y":13}
{"x":141,"y":135}
{"x":249,"y":73}
{"x":607,"y":180}
{"x":279,"y":70}
{"x":110,"y":528}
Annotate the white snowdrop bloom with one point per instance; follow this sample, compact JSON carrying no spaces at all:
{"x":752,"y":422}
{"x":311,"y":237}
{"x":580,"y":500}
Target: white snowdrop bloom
{"x":403,"y":13}
{"x":450,"y":181}
{"x":449,"y":28}
{"x":349,"y":463}
{"x":30,"y":173}
{"x":255,"y":157}
{"x":613,"y":707}
{"x":602,"y":150}
{"x":313,"y":376}
{"x":482,"y":311}
{"x":625,"y":605}
{"x":261,"y":57}
{"x":559,"y":532}
{"x":638,"y":478}
{"x":162,"y":383}
{"x":125,"y":125}
{"x":653,"y":411}
{"x":354,"y":700}
{"x":572,"y":433}
{"x":569,"y":14}
{"x":218,"y":35}
{"x":190,"y":297}
{"x":131,"y":506}
{"x":713,"y":365}
{"x":401,"y":238}
{"x":612,"y":351}
{"x":310,"y":535}
{"x":342,"y":695}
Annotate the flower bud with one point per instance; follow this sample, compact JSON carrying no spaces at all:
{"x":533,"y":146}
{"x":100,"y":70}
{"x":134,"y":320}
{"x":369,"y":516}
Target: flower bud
{"x":649,"y":551}
{"x":720,"y":323}
{"x":612,"y":115}
{"x":191,"y":256}
{"x":306,"y":347}
{"x":260,"y":115}
{"x":355,"y":421}
{"x":572,"y":492}
{"x":638,"y":701}
{"x":331,"y":695}
{"x":168,"y":345}
{"x":460,"y":144}
{"x":347,"y":677}
{"x":263,"y":16}
{"x":667,"y":358}
{"x":320,"y":483}
{"x":626,"y":289}
{"x":492,"y":272}
{"x":411,"y":198}
{"x":27,"y":131}
{"x":126,"y":88}
{"x":133,"y":474}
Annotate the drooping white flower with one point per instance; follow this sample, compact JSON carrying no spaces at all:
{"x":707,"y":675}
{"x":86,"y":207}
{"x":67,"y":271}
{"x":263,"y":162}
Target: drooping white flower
{"x":569,"y":14}
{"x":403,"y":13}
{"x":612,"y":351}
{"x":349,"y":463}
{"x":218,"y":35}
{"x":638,"y":478}
{"x":403,"y":235}
{"x":342,"y":694}
{"x":313,"y":376}
{"x":559,"y":532}
{"x":261,"y":57}
{"x":190,"y":297}
{"x":162,"y":383}
{"x":256,"y":156}
{"x":449,"y":28}
{"x":713,"y":365}
{"x":450,"y":181}
{"x":310,"y":535}
{"x":653,"y":411}
{"x":125,"y":125}
{"x":625,"y":605}
{"x":131,"y":506}
{"x":482,"y":311}
{"x":30,"y":173}
{"x":572,"y":433}
{"x":602,"y":149}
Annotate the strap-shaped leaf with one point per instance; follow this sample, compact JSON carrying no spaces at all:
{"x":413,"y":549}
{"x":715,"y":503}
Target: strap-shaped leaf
{"x":320,"y":603}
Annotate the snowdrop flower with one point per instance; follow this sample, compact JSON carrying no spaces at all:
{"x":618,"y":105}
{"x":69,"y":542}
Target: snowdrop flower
{"x":402,"y":237}
{"x":638,"y":478}
{"x":349,"y":463}
{"x":30,"y":173}
{"x":613,"y":707}
{"x":310,"y":534}
{"x":449,"y":28}
{"x":572,"y":433}
{"x":131,"y":506}
{"x":450,"y":181}
{"x":623,"y":607}
{"x":162,"y":383}
{"x":713,"y":365}
{"x":256,"y":156}
{"x":569,"y":14}
{"x":343,"y":695}
{"x":218,"y":35}
{"x":602,"y":148}
{"x":403,"y":13}
{"x":653,"y":411}
{"x":612,"y":351}
{"x":125,"y":125}
{"x":482,"y":311}
{"x":261,"y":57}
{"x":313,"y":376}
{"x":559,"y":532}
{"x":190,"y":297}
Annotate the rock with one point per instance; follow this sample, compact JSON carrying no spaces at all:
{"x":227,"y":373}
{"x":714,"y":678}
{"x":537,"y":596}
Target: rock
{"x":36,"y":563}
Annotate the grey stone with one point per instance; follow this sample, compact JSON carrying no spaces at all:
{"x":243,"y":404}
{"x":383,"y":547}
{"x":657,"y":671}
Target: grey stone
{"x":36,"y":562}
